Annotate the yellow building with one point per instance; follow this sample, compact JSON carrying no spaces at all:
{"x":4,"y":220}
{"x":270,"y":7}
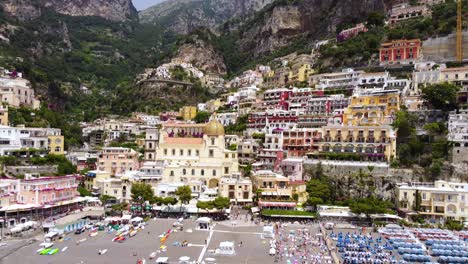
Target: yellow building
{"x":365,"y":143}
{"x":56,"y":145}
{"x":195,"y":154}
{"x":92,"y":177}
{"x":188,"y":112}
{"x":300,"y":73}
{"x":372,"y":108}
{"x":4,"y":115}
{"x":213,"y":105}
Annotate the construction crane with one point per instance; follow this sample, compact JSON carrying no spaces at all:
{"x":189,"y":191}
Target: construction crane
{"x":459,"y":32}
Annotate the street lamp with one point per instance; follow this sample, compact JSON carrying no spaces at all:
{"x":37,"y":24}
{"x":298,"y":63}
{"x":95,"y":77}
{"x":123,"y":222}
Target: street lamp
{"x":141,"y":204}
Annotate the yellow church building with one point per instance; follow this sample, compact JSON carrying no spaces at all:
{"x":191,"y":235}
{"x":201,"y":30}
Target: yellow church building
{"x":195,"y":154}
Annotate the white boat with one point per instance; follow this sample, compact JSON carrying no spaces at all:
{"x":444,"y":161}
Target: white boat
{"x":102,"y":251}
{"x":152,"y":255}
{"x":39,"y":250}
{"x":46,"y":245}
{"x":81,"y":241}
{"x":64,"y":249}
{"x":93,"y":234}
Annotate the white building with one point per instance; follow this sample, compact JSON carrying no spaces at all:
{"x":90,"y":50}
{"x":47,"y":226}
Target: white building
{"x":237,"y":189}
{"x":16,"y":91}
{"x":439,"y":200}
{"x":15,"y":138}
{"x":228,"y":118}
{"x":346,"y":79}
{"x":458,"y":135}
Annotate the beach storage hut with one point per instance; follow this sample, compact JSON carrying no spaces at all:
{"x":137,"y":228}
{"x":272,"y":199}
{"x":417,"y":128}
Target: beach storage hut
{"x":204,"y":223}
{"x":225,"y":248}
{"x":268,"y":232}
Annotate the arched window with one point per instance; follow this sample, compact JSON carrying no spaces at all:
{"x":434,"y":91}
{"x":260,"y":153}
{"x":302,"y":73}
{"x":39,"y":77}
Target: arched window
{"x":184,"y":171}
{"x":202,"y":172}
{"x":214,"y":172}
{"x":193,"y":172}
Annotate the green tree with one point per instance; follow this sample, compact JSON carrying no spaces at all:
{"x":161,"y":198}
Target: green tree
{"x":143,"y":190}
{"x":368,"y":206}
{"x":120,"y":207}
{"x":221,"y":203}
{"x":441,"y":96}
{"x":319,"y":189}
{"x":105,"y":198}
{"x":184,"y":193}
{"x":83,"y":191}
{"x":202,"y":117}
{"x":404,"y":123}
{"x":417,"y":201}
{"x":435,"y":128}
{"x":376,"y":19}
{"x":314,"y":201}
{"x":170,"y":200}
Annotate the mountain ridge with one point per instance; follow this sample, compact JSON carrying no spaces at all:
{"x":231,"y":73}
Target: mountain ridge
{"x":113,"y":10}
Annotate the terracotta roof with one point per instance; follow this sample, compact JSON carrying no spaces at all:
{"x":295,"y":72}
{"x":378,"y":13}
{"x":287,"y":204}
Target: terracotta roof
{"x":181,"y":141}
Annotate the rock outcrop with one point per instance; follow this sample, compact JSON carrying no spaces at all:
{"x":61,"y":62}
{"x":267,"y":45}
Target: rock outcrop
{"x":202,"y":55}
{"x":284,"y":21}
{"x":114,"y":10}
{"x":184,"y":16}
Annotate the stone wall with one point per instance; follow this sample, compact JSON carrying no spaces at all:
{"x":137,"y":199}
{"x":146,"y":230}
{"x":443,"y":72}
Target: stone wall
{"x":443,"y":49}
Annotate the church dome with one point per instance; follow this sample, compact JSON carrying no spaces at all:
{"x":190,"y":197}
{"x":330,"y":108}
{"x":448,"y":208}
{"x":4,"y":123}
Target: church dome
{"x":214,"y":128}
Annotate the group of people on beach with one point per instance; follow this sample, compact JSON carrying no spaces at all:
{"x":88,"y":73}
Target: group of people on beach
{"x":300,"y":246}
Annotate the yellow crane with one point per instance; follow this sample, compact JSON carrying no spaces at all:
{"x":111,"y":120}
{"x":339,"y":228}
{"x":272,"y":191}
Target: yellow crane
{"x":459,"y":32}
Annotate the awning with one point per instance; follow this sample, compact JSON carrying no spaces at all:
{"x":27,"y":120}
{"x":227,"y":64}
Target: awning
{"x":126,"y":217}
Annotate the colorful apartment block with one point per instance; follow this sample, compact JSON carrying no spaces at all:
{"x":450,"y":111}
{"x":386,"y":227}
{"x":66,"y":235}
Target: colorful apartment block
{"x":402,"y":51}
{"x":47,"y":190}
{"x":372,"y":107}
{"x":56,"y":145}
{"x":349,"y":33}
{"x":117,"y":160}
{"x":188,"y":112}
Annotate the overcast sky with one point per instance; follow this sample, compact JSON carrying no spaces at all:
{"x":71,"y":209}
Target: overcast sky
{"x":143,"y":4}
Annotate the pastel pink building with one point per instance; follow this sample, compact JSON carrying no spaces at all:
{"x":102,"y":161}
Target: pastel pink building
{"x":47,"y":190}
{"x":118,"y":160}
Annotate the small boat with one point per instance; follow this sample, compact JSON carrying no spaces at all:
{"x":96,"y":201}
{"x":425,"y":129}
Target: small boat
{"x":39,"y":250}
{"x":119,"y":239}
{"x":45,"y":251}
{"x":133,"y":233}
{"x":93,"y":234}
{"x":46,"y":245}
{"x":152,"y":255}
{"x":64,"y":249}
{"x":141,"y":261}
{"x":53,"y":251}
{"x":102,"y":251}
{"x":81,"y":241}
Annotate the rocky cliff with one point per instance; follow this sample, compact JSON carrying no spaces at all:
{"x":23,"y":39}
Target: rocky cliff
{"x":114,"y":10}
{"x":184,"y":16}
{"x":285,"y":21}
{"x":199,"y":51}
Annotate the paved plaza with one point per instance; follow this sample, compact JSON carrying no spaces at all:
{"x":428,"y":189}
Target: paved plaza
{"x":250,"y":247}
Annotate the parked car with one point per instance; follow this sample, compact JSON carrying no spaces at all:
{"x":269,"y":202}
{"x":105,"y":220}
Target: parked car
{"x":80,"y":230}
